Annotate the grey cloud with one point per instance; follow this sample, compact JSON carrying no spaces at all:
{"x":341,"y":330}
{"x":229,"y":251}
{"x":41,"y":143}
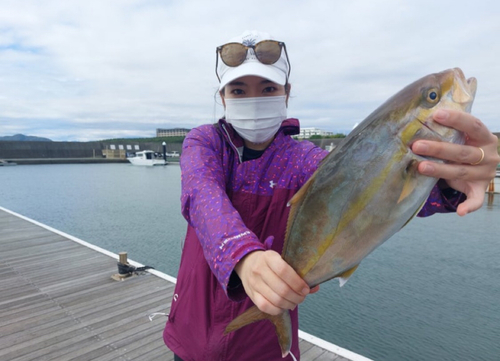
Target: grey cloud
{"x":79,"y":69}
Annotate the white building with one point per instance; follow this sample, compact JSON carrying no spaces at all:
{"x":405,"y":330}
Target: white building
{"x":308,"y":132}
{"x":176,"y":132}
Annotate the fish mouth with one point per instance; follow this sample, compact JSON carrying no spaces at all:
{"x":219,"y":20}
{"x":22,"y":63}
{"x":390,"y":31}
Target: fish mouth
{"x":472,"y":82}
{"x":464,"y":90}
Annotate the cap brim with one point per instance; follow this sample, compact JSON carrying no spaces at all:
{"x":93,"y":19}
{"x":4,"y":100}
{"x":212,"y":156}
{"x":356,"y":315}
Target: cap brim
{"x":256,"y":68}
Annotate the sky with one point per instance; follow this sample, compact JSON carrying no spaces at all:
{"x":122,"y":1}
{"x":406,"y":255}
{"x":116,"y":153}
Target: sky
{"x":77,"y":70}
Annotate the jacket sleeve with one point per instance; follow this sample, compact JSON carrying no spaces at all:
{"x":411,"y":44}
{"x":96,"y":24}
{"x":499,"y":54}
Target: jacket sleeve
{"x":206,"y":206}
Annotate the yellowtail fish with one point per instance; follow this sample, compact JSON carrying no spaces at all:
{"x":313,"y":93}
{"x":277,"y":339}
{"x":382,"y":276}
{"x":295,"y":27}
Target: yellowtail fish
{"x":367,"y":189}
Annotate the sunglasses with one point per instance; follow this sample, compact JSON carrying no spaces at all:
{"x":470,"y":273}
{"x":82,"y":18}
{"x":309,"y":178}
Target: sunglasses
{"x":234,"y":54}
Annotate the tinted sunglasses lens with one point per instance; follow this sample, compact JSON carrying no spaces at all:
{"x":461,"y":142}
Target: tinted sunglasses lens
{"x":268,"y":52}
{"x":233,"y":54}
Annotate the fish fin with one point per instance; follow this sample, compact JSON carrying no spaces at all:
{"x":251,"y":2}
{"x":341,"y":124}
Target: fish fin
{"x":282,"y":324}
{"x":297,"y":198}
{"x":294,"y":203}
{"x":410,"y":182}
{"x":253,"y":314}
{"x":344,"y":277}
{"x":414,"y":214}
{"x":283,"y":327}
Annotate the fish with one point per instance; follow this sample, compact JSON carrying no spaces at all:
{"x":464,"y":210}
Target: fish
{"x":366,"y":189}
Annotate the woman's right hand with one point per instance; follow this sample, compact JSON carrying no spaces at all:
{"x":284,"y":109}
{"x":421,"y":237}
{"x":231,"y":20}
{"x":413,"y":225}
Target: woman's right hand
{"x":270,"y":282}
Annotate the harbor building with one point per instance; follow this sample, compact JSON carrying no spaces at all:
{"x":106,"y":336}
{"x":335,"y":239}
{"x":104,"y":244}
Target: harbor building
{"x":306,"y":133}
{"x":175,"y":132}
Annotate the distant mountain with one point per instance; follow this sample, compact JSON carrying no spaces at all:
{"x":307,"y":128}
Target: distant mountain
{"x":25,"y":138}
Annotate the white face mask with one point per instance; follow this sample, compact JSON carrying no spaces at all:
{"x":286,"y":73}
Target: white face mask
{"x":256,"y":119}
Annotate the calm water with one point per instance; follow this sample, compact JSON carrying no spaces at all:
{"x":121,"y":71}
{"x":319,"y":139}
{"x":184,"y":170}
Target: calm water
{"x":432,"y":292}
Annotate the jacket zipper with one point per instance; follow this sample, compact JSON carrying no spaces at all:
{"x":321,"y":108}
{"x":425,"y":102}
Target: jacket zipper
{"x":240,"y":155}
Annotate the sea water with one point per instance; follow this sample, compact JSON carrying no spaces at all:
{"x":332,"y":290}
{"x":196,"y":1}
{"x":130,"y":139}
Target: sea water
{"x":432,"y":292}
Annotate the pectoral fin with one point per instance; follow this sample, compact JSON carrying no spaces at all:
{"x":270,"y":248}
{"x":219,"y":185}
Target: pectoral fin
{"x":344,"y":277}
{"x":410,"y":181}
{"x":415,"y":214}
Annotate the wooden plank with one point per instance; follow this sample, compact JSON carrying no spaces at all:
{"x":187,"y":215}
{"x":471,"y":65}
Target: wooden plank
{"x":34,"y":323}
{"x":46,"y":250}
{"x":22,"y":241}
{"x":159,"y":355}
{"x":58,"y":302}
{"x":312,"y":353}
{"x":304,"y":346}
{"x":326,"y":356}
{"x":153,"y":348}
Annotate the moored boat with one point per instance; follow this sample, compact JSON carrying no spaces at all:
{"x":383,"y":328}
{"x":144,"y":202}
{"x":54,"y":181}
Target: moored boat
{"x":4,"y":163}
{"x":173,"y":154}
{"x":146,"y":158}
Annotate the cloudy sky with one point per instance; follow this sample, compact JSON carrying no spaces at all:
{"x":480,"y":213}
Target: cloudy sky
{"x":83,"y":70}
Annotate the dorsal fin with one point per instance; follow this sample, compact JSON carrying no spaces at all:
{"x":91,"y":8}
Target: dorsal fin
{"x":301,"y":192}
{"x":295,"y":203}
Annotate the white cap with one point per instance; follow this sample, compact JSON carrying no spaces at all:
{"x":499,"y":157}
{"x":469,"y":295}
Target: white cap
{"x":276,"y":72}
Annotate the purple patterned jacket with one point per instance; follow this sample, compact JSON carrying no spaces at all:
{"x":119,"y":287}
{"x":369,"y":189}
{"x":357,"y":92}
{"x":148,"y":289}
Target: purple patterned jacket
{"x":231,"y":208}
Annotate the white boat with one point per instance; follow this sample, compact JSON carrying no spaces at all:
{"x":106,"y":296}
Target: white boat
{"x":6,"y":163}
{"x":146,"y":158}
{"x":172,"y":154}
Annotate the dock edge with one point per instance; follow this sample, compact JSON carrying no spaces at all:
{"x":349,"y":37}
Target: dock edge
{"x":303,"y":335}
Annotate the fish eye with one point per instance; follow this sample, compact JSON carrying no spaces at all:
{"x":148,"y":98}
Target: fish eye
{"x":432,"y":96}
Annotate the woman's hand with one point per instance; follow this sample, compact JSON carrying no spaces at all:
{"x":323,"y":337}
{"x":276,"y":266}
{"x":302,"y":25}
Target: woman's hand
{"x":270,"y":282}
{"x":467,"y":170}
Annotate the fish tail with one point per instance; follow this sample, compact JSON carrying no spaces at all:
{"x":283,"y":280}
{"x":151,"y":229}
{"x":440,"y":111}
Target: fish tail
{"x":282,"y":324}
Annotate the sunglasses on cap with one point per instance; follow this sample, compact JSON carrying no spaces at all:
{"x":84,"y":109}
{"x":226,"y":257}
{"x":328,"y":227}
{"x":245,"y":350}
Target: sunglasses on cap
{"x":266,"y":51}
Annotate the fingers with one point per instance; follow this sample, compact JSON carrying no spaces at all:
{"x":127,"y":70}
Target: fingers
{"x":455,"y":172}
{"x":473,"y":161}
{"x":270,"y":282}
{"x":275,"y":290}
{"x":456,"y":153}
{"x":287,"y":275}
{"x":314,"y":289}
{"x":476,"y":131}
{"x":468,"y":168}
{"x":473,"y":202}
{"x":460,"y":159}
{"x":469,"y":179}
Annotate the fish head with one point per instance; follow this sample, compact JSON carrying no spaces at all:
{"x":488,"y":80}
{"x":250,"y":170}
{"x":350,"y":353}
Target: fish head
{"x":449,"y":89}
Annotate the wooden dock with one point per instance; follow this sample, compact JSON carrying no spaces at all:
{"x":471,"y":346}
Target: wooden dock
{"x":59,"y":302}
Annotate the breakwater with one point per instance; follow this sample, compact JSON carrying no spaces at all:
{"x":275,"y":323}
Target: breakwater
{"x":33,"y":152}
{"x":30,"y":152}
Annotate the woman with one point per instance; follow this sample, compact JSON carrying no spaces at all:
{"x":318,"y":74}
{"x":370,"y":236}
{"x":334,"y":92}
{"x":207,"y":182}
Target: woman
{"x":237,"y":177}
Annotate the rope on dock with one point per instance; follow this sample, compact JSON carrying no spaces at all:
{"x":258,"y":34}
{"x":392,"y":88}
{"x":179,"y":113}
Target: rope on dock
{"x":124,"y":269}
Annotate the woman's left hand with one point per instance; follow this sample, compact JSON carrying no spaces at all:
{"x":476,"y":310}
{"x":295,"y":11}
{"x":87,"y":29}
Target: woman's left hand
{"x":466,"y":170}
